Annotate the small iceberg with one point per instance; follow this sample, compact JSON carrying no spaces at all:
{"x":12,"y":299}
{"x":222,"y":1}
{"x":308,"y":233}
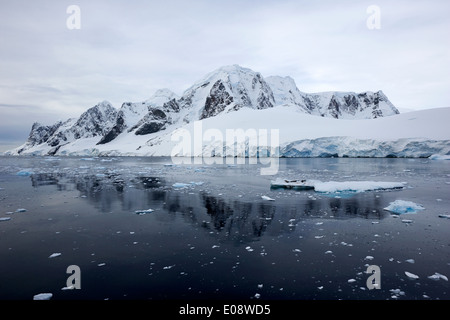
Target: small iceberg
{"x":267,"y":198}
{"x":402,"y":206}
{"x":43,"y":296}
{"x":438,"y":276}
{"x":5,"y":219}
{"x":54,"y":255}
{"x":181,"y":185}
{"x":142,"y":212}
{"x":411,"y":275}
{"x":25,"y":172}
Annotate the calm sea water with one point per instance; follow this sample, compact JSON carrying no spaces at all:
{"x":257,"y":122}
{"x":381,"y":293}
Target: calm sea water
{"x":212,"y":236}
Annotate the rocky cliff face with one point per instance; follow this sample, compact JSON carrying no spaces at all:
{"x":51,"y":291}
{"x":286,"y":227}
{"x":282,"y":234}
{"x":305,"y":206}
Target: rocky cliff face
{"x":227,"y":89}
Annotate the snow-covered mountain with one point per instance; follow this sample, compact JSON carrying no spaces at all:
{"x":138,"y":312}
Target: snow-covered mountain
{"x":229,"y":97}
{"x":339,"y":105}
{"x":143,"y":117}
{"x":94,"y":122}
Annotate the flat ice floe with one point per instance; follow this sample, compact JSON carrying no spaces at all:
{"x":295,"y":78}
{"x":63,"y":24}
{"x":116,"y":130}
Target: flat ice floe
{"x":43,"y":296}
{"x":337,"y":186}
{"x":402,"y":206}
{"x":143,"y":211}
{"x":356,"y":186}
{"x":181,"y":185}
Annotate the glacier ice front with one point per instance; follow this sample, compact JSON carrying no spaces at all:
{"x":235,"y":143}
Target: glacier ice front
{"x":402,"y":206}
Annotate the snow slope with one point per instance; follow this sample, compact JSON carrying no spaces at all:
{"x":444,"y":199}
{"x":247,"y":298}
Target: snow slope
{"x":414,"y":134}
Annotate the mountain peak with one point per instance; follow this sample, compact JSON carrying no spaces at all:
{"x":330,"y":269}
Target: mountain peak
{"x":161,"y":96}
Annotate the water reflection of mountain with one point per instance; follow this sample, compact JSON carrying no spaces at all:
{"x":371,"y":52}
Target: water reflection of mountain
{"x":231,"y":218}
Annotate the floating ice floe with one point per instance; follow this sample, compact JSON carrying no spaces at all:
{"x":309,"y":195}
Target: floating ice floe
{"x":54,"y":255}
{"x":68,"y":288}
{"x":267,"y":198}
{"x":168,"y":267}
{"x":446,"y":216}
{"x":356,"y":186}
{"x":43,"y":296}
{"x":438,"y":276}
{"x":396,"y":293}
{"x":411,"y":275}
{"x":336,"y":186}
{"x":181,"y":185}
{"x":402,"y":206}
{"x":144,"y":211}
{"x":21,"y":210}
{"x":5,"y":219}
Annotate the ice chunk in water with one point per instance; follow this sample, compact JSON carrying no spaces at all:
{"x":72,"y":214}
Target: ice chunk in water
{"x":411,"y":275}
{"x":356,"y":186}
{"x":141,"y":212}
{"x":5,"y":219}
{"x":402,"y":206}
{"x":54,"y":255}
{"x":437,"y":276}
{"x":267,"y":198}
{"x":180,"y":185}
{"x":185,"y":185}
{"x":43,"y":296}
{"x":25,"y":172}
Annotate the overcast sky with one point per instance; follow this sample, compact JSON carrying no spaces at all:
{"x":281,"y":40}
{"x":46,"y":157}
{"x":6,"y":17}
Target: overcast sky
{"x":127,"y":49}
